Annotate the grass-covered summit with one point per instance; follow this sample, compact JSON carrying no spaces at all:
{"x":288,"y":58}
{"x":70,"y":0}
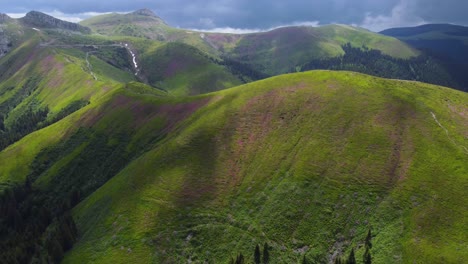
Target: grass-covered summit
{"x":307,"y":163}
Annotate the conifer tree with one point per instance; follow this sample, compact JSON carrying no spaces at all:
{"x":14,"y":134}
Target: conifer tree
{"x":351,"y":258}
{"x":367,"y":259}
{"x":338,"y":260}
{"x":368,"y":240}
{"x":240,"y":259}
{"x":257,"y":255}
{"x":266,"y":254}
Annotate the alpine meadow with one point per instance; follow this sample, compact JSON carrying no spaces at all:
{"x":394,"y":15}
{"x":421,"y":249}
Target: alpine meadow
{"x":124,"y":139}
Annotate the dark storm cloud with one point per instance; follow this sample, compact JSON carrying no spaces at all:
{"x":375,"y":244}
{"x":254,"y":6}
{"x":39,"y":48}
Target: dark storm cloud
{"x":262,"y":14}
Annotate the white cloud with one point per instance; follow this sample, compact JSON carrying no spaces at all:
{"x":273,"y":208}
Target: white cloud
{"x":16,"y":15}
{"x":231,"y":30}
{"x":401,"y":15}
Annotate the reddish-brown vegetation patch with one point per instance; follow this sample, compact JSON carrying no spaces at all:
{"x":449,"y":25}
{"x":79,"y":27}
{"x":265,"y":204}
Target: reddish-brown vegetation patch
{"x":142,"y":112}
{"x":397,"y":117}
{"x":54,"y":68}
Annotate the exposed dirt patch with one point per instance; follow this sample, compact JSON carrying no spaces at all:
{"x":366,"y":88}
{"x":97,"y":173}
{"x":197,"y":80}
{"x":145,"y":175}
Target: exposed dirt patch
{"x":50,"y":65}
{"x":397,"y":117}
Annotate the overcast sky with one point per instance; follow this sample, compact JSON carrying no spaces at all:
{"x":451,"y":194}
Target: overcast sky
{"x":248,"y":15}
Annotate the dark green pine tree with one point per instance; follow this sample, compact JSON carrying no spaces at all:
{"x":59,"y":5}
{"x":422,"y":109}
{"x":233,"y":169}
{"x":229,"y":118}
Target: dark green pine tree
{"x":240,"y":259}
{"x":304,"y":260}
{"x":266,"y":254}
{"x":367,"y":259}
{"x":351,"y":258}
{"x":257,"y":255}
{"x":368,"y":240}
{"x":338,"y":260}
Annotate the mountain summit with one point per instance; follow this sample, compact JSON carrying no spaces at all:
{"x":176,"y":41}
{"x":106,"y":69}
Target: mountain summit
{"x":41,"y":20}
{"x":145,"y":12}
{"x":4,"y":18}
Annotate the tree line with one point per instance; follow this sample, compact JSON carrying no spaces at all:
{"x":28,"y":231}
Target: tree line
{"x":263,"y":256}
{"x":32,"y":117}
{"x":422,"y":68}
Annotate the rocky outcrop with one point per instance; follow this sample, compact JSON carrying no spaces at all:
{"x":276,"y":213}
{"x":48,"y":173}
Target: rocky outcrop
{"x":41,"y":20}
{"x":4,"y":18}
{"x":5,"y":43}
{"x":145,"y":12}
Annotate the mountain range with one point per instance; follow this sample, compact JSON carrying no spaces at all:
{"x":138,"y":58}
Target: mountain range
{"x":126,"y":140}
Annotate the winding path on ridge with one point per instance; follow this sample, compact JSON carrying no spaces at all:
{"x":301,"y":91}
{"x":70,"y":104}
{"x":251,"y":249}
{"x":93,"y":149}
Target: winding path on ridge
{"x":96,"y":46}
{"x":90,"y":68}
{"x":448,"y":134}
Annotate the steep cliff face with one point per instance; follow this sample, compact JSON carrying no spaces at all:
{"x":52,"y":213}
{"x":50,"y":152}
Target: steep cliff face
{"x":41,"y":20}
{"x":4,"y":18}
{"x":5,"y":43}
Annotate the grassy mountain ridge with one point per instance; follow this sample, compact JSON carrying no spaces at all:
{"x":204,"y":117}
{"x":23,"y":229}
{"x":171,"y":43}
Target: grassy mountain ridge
{"x":448,"y":43}
{"x":225,"y":179}
{"x":213,"y":189}
{"x":305,"y":162}
{"x":446,"y":39}
{"x":274,"y":52}
{"x":226,"y":167}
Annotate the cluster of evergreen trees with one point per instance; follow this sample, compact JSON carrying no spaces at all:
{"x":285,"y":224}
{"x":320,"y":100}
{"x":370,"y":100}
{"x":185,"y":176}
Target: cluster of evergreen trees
{"x":264,"y":258}
{"x":31,"y":120}
{"x":351,"y":259}
{"x":373,"y":62}
{"x":35,"y":224}
{"x":259,"y":258}
{"x":244,"y":71}
{"x":31,"y":229}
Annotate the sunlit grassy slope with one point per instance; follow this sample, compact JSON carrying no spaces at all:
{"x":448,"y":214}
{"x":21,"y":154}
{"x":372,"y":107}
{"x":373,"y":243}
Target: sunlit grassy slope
{"x":34,"y":77}
{"x":307,"y":162}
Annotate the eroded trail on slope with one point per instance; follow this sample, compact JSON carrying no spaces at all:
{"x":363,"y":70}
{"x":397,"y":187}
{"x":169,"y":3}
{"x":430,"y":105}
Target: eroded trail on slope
{"x":121,"y":45}
{"x":448,"y":134}
{"x":90,"y":67}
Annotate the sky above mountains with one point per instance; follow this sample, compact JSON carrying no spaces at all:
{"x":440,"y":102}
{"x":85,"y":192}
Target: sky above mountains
{"x":247,"y":15}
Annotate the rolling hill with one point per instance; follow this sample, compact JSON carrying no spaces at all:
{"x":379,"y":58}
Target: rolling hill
{"x":206,"y":177}
{"x":124,"y":148}
{"x":273,"y":52}
{"x":449,"y":43}
{"x":292,"y":49}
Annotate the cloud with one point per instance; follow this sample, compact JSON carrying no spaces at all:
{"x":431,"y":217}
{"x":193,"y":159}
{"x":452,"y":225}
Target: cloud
{"x":402,"y":15}
{"x":231,"y":30}
{"x":261,"y":14}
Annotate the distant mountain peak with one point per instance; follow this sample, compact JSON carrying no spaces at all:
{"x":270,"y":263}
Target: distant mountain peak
{"x":4,"y":18}
{"x":145,"y":12}
{"x":39,"y":19}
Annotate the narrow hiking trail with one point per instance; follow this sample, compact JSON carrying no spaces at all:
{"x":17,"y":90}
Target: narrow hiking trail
{"x":96,"y":46}
{"x":448,"y":134}
{"x":90,"y":67}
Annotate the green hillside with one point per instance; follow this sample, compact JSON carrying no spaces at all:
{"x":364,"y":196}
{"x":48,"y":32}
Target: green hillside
{"x":272,"y":52}
{"x":141,"y":23}
{"x":184,"y":70}
{"x":279,"y":50}
{"x":306,"y":162}
{"x":448,"y":43}
{"x":126,"y":145}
